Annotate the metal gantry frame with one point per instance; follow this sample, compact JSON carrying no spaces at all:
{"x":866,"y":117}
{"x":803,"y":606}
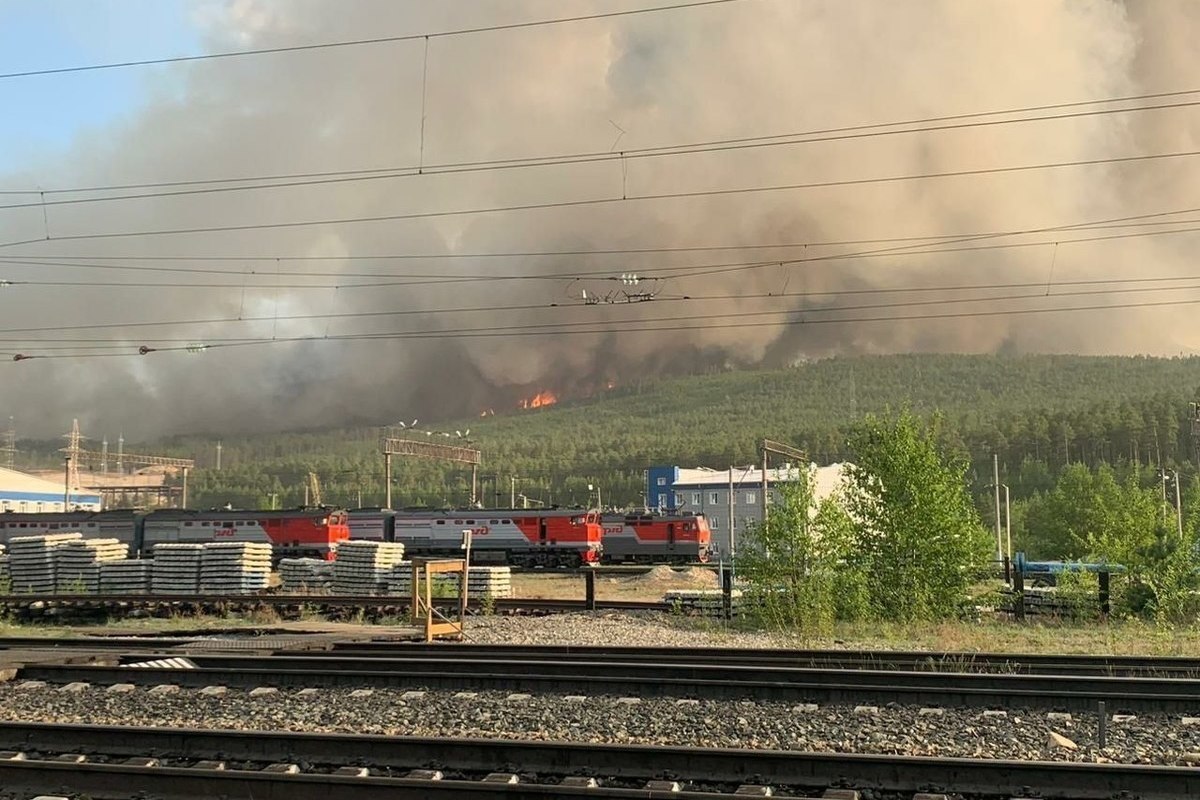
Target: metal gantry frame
{"x":766,"y":448}
{"x":391,"y":445}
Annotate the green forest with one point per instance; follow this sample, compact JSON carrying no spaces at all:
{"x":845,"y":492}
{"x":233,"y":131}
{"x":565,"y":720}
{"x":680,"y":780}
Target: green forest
{"x":1041,"y":414}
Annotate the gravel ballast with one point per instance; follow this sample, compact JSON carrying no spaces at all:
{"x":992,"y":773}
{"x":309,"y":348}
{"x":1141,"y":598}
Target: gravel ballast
{"x":893,"y":729}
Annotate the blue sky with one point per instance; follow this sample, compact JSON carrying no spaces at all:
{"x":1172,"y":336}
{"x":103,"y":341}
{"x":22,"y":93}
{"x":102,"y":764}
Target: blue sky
{"x":40,"y":116}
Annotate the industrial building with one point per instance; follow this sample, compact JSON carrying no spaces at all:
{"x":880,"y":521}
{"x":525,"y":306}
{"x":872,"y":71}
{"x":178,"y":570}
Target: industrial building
{"x":706,"y":491}
{"x":22,"y":493}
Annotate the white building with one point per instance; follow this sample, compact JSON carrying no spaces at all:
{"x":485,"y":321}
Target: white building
{"x":706,"y":491}
{"x":25,"y":493}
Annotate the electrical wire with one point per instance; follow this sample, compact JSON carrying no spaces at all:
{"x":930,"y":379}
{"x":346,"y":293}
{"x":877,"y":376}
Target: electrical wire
{"x":648,"y":271}
{"x":601,"y":201}
{"x":1091,"y":282}
{"x":411,"y":37}
{"x":387,"y":173}
{"x":517,"y":331}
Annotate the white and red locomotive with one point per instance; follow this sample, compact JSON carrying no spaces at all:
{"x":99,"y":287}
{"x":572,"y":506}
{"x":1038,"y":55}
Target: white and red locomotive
{"x":656,"y":538}
{"x":522,"y":537}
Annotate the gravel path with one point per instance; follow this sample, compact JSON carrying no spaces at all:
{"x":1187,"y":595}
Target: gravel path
{"x":644,"y":629}
{"x":892,"y":729}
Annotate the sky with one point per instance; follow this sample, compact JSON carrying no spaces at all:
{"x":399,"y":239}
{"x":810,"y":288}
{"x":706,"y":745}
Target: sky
{"x":44,"y":115}
{"x":239,"y":307}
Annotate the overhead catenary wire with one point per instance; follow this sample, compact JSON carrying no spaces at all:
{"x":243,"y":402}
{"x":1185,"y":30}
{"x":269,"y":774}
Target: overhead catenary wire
{"x":632,"y":198}
{"x":377,"y":40}
{"x":517,"y":331}
{"x":1141,"y":287}
{"x":296,"y":180}
{"x":679,"y":272}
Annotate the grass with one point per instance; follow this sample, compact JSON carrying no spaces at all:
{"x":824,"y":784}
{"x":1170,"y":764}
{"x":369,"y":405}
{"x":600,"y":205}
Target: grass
{"x":1088,"y":638}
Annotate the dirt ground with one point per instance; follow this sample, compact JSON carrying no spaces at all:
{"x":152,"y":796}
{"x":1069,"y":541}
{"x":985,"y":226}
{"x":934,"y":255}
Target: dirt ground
{"x":645,"y":587}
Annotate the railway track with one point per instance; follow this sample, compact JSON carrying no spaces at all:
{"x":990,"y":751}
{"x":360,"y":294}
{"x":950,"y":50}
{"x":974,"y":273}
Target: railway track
{"x":913,"y":660}
{"x":119,"y":762}
{"x":450,"y":669}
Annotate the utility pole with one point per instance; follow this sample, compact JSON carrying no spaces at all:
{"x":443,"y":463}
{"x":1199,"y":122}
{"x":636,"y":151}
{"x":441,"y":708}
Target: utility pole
{"x":1008,"y":521}
{"x":732,"y":536}
{"x":121,"y":454}
{"x":10,"y":444}
{"x":996,"y":485}
{"x":67,"y":483}
{"x":387,"y":479}
{"x":218,"y":455}
{"x":512,"y":491}
{"x":1178,"y":508}
{"x":104,"y":456}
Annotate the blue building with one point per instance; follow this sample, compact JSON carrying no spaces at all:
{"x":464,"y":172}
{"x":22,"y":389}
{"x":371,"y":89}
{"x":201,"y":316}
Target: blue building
{"x":26,"y":493}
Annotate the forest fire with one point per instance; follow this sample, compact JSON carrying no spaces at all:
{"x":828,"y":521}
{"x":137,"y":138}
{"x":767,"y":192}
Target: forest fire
{"x":540,"y":400}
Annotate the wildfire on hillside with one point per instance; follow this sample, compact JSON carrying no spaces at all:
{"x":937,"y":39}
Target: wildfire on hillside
{"x":539,"y":400}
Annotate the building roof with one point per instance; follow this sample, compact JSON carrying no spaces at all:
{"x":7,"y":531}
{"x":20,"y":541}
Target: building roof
{"x":20,"y":486}
{"x":826,"y":479}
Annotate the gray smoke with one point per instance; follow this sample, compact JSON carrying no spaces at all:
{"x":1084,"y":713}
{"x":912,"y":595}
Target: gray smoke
{"x":744,"y":69}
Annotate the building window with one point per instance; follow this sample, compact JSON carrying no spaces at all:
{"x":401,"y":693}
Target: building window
{"x":662,"y":481}
{"x":662,"y":502}
{"x":714,"y":497}
{"x":714,"y":523}
{"x":695,"y":498}
{"x":751,"y":498}
{"x":678,"y":500}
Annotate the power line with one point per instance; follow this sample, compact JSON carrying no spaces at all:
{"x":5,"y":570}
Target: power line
{"x":680,"y":272}
{"x":520,"y":331}
{"x":33,"y":259}
{"x":293,"y":180}
{"x":1140,"y":287}
{"x":632,"y":198}
{"x":361,"y":42}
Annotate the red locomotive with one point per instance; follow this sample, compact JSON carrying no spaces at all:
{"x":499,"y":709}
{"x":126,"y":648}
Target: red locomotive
{"x":303,"y":531}
{"x":656,"y":538}
{"x":523,"y":537}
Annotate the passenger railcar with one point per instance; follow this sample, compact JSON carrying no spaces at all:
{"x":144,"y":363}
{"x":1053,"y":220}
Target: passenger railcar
{"x":656,"y":538}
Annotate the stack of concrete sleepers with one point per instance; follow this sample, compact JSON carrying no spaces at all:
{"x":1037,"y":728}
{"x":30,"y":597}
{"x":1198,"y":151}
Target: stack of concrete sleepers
{"x":77,"y":563}
{"x":365,"y":567}
{"x":235,"y":567}
{"x":704,"y":602}
{"x":481,"y":582}
{"x":176,"y":568}
{"x":306,"y":574}
{"x":132,"y":576}
{"x":31,"y":561}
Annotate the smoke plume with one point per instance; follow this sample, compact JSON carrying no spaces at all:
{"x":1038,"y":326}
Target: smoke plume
{"x":741,"y":69}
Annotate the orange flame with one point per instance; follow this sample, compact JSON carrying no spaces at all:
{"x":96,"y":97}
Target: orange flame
{"x":539,"y":400}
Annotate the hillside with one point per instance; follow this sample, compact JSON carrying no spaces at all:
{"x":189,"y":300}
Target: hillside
{"x":1037,"y":406}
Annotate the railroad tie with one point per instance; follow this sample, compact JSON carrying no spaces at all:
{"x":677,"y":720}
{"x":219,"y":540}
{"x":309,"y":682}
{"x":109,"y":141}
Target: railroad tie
{"x":283,"y":769}
{"x":841,"y":794}
{"x":753,"y":790}
{"x":353,"y":772}
{"x":663,"y":786}
{"x":141,"y":761}
{"x":580,"y":782}
{"x":425,"y":775}
{"x":501,"y":777}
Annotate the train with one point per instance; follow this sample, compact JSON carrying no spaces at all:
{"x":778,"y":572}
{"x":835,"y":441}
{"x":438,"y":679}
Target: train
{"x":519,"y":537}
{"x":549,"y":538}
{"x":309,"y":532}
{"x":657,"y":538}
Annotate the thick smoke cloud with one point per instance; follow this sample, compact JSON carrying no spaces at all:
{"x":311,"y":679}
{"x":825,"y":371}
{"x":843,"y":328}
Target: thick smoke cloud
{"x":745,"y":69}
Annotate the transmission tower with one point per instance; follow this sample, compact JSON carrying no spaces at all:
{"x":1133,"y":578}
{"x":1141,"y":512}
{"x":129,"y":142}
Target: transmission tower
{"x":9,"y":450}
{"x":73,"y":452}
